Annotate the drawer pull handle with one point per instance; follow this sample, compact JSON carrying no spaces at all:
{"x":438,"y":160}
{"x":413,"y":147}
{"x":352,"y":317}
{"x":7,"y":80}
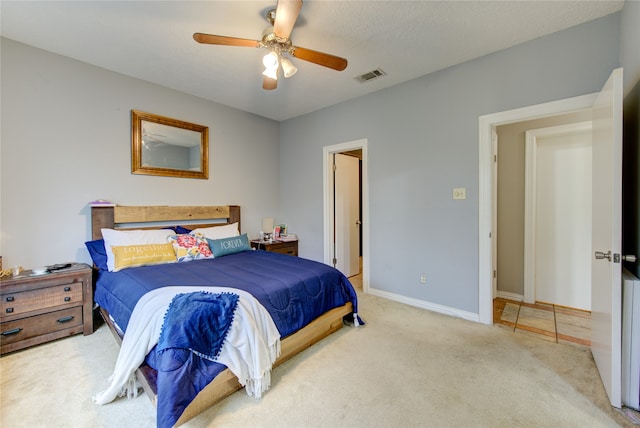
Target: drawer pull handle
{"x":67,"y":288}
{"x":9,"y":310}
{"x":10,"y":299}
{"x":12,"y":331}
{"x":65,"y":319}
{"x":67,"y":299}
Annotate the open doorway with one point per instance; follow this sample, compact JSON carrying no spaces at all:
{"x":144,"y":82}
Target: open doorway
{"x":346,"y":210}
{"x":543,"y":228}
{"x":488,"y":193}
{"x":540,"y":253}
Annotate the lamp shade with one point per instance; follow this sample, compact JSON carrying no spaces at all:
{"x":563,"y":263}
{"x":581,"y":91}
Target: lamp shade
{"x":271,"y":73}
{"x":288,"y":68}
{"x":267,"y":224}
{"x":270,"y":60}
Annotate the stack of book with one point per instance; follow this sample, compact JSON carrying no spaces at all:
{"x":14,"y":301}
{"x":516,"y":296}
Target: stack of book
{"x":287,"y":237}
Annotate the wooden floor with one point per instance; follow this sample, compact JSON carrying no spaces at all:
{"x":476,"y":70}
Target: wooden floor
{"x":545,"y":321}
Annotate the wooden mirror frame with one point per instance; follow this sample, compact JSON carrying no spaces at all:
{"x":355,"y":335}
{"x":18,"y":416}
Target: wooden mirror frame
{"x":137,"y":117}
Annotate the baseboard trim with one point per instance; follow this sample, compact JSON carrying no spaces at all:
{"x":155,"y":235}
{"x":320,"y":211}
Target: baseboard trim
{"x":510,"y":296}
{"x":446,"y":310}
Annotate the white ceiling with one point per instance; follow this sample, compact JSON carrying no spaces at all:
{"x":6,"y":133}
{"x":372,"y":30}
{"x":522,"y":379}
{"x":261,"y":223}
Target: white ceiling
{"x":152,"y":40}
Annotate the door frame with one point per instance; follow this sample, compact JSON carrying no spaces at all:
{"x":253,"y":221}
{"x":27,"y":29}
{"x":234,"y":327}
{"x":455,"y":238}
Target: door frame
{"x":327,"y":162}
{"x":530,"y":202}
{"x":486,"y":182}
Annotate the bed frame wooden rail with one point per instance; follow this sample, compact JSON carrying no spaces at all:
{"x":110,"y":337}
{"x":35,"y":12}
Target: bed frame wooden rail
{"x":226,"y":383}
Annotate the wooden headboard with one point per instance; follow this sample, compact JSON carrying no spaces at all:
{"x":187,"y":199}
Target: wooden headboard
{"x":135,"y":217}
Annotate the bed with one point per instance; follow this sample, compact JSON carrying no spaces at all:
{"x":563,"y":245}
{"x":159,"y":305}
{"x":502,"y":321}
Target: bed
{"x":275,"y":280}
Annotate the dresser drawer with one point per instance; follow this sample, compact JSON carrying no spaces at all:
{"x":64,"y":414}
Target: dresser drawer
{"x":285,"y":248}
{"x":27,"y":328}
{"x":42,"y":298}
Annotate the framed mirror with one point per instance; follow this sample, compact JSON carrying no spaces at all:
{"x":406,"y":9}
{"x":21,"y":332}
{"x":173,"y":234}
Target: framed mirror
{"x":168,"y":147}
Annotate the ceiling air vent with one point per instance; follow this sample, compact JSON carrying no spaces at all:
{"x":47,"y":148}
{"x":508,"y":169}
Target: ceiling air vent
{"x":375,"y":74}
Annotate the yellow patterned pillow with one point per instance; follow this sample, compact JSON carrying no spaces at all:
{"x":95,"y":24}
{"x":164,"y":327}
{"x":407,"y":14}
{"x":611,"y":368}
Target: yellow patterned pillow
{"x":127,"y":256}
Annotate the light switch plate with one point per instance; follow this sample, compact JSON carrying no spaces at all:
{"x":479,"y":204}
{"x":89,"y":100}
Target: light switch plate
{"x":460,"y":193}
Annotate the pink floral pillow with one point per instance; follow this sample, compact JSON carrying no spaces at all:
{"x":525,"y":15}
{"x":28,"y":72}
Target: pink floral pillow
{"x":190,"y":247}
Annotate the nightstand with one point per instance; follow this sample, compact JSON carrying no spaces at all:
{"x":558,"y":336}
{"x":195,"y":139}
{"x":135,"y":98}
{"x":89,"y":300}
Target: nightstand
{"x":284,"y":247}
{"x":35,"y":309}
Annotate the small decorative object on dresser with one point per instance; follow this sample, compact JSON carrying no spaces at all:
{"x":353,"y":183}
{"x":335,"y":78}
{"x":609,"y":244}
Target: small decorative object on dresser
{"x":41,"y":307}
{"x":288,"y":247}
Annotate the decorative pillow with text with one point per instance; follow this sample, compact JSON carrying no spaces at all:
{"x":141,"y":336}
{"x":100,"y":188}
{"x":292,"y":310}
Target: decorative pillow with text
{"x":113,"y":238}
{"x":128,"y":256}
{"x":226,"y":246}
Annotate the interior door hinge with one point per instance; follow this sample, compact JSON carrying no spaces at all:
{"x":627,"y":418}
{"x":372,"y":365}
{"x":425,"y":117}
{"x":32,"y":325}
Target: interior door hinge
{"x":495,"y":158}
{"x":334,"y":167}
{"x":335,"y":261}
{"x":495,"y":273}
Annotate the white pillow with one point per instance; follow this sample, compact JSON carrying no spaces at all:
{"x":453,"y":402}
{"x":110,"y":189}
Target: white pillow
{"x":131,"y":237}
{"x":218,"y":232}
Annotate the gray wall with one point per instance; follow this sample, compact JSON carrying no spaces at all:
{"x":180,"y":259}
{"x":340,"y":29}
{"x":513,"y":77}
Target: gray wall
{"x":66,"y":140}
{"x":423,"y":142}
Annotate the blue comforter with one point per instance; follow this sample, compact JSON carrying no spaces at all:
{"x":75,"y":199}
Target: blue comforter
{"x":295,"y":291}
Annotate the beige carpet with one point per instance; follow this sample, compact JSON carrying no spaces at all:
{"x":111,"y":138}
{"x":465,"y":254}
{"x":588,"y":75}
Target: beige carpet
{"x":406,"y":368}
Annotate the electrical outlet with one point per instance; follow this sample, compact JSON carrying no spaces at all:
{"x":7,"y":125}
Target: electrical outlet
{"x":460,"y":193}
{"x":423,"y":278}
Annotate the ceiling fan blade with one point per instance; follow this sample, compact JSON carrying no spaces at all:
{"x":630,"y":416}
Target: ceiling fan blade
{"x":211,"y":39}
{"x":269,"y":83}
{"x":320,"y":58}
{"x":287,"y":12}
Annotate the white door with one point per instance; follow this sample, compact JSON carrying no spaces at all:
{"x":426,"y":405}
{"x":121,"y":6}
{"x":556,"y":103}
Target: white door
{"x":347,"y":214}
{"x":560,"y":159}
{"x":606,"y":281}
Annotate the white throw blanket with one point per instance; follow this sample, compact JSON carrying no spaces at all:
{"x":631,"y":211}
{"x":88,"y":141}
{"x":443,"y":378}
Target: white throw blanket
{"x":250,"y":348}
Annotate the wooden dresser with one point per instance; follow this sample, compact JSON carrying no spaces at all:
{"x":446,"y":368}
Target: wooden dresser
{"x":288,"y":247}
{"x":38,"y":309}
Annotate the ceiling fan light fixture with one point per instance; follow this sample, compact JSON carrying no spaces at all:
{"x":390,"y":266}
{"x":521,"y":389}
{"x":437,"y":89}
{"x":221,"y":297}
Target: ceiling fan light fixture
{"x":276,"y":40}
{"x":288,"y":68}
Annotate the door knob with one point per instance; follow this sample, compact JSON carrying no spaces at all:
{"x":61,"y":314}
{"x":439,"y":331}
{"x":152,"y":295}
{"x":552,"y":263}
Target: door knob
{"x":628,"y":258}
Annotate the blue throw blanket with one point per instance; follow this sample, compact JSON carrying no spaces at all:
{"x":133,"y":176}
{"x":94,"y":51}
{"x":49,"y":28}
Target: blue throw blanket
{"x":198,"y":322}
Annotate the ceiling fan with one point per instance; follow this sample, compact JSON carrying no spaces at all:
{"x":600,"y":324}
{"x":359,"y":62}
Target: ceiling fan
{"x":276,"y":40}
